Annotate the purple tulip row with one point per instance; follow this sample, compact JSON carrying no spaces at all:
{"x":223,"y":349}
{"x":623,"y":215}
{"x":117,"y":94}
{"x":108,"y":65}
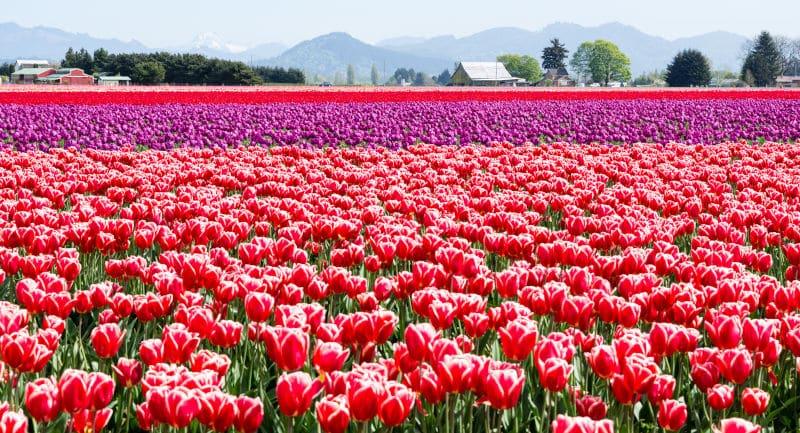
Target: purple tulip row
{"x":397,"y":125}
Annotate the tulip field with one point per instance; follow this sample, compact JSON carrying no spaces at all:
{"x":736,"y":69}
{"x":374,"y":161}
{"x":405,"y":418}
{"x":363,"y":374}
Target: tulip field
{"x":455,"y":261}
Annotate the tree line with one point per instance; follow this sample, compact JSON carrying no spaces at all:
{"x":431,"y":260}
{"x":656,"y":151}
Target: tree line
{"x":602,"y":62}
{"x":164,"y":67}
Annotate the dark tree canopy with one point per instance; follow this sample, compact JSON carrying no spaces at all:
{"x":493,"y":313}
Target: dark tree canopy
{"x":148,"y":73}
{"x":178,"y":68}
{"x":444,"y":77}
{"x":100,"y":60}
{"x":7,"y":69}
{"x":688,"y":68}
{"x":763,"y":63}
{"x":553,"y":56}
{"x":280,"y":75}
{"x":401,"y":74}
{"x":78,"y":59}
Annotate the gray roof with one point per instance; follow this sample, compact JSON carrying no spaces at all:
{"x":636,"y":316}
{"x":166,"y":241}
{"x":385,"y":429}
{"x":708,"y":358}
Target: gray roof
{"x":486,"y":71}
{"x":114,"y":78}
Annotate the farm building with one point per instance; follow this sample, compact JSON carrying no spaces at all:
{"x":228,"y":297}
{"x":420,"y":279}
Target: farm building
{"x":116,"y":80}
{"x":788,"y":81}
{"x":482,"y":74}
{"x":28,"y":63}
{"x":31,"y":75}
{"x":67,"y":76}
{"x":556,"y":77}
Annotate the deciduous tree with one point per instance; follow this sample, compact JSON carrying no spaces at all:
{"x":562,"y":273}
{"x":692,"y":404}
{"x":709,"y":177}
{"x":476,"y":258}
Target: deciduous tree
{"x":603,"y":61}
{"x":521,"y":66}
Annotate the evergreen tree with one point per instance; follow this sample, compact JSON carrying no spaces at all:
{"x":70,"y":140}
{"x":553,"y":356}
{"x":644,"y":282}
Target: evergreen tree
{"x":7,"y":69}
{"x":763,"y":63}
{"x":85,"y":61}
{"x":70,"y":59}
{"x":689,"y":68}
{"x":351,"y":75}
{"x":553,"y":56}
{"x":444,"y":77}
{"x":100,"y":62}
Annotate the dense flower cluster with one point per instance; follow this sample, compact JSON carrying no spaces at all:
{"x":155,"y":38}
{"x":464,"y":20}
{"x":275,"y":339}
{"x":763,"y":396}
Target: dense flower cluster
{"x":475,"y":288}
{"x":398,"y":125}
{"x":148,"y":95}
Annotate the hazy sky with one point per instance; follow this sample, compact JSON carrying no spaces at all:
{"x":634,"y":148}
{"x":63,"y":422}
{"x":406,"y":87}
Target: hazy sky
{"x":163,"y":23}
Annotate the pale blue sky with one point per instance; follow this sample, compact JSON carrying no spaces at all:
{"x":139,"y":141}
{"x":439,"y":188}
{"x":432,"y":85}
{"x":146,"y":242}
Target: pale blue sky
{"x":162,"y":23}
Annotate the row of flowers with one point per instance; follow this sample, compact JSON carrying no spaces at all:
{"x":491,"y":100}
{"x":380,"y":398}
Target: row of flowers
{"x":393,"y":126}
{"x":148,"y":95}
{"x":477,"y":288}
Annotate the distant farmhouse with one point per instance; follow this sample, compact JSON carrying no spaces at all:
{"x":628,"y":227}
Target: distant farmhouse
{"x":556,"y":77}
{"x":788,"y":81}
{"x":484,"y":74}
{"x":51,"y":76}
{"x":29,"y":64}
{"x":104,"y":79}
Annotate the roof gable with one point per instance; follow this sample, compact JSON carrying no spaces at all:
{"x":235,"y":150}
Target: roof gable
{"x":486,"y":71}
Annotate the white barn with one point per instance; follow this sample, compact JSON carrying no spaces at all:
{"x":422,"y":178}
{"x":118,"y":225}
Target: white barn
{"x":31,"y":64}
{"x":482,"y":74}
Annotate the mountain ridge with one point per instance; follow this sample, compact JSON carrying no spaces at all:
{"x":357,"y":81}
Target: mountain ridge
{"x":331,"y":53}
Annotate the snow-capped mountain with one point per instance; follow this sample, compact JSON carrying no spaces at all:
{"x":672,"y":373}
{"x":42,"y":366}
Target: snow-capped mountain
{"x":213,"y":45}
{"x":213,"y":41}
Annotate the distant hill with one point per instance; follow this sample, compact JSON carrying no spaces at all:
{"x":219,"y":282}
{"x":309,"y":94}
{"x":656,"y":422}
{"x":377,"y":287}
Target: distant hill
{"x":331,"y":53}
{"x":328,"y":54}
{"x":48,"y":43}
{"x":647,"y":52}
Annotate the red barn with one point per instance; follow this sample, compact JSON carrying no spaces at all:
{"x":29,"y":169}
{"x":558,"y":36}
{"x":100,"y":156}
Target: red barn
{"x":68,"y":76}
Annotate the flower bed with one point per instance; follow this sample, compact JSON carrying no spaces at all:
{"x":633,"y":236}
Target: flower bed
{"x":437,"y":288}
{"x":397,"y":125}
